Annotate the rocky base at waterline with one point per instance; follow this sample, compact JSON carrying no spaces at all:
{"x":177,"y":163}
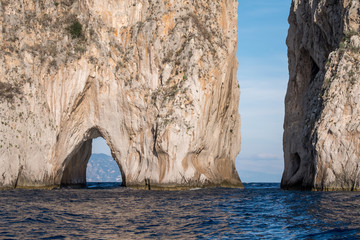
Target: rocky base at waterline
{"x":156,"y":80}
{"x":322,"y":127}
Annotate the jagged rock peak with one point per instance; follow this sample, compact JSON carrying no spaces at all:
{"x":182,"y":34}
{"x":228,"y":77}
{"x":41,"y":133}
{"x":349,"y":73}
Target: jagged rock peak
{"x":155,"y":79}
{"x":322,"y":128}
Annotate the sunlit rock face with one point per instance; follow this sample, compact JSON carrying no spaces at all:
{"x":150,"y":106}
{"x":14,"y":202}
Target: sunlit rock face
{"x":155,"y":79}
{"x":322,"y":127}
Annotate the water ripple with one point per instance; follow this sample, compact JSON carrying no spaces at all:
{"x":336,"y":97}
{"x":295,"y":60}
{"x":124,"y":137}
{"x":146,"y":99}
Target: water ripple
{"x":261,"y":211}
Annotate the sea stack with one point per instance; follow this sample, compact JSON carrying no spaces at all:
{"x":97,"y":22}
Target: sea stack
{"x":322,"y":105}
{"x":155,"y":79}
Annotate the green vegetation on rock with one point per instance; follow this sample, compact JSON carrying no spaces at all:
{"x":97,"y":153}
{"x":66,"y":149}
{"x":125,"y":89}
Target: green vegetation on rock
{"x":75,"y":29}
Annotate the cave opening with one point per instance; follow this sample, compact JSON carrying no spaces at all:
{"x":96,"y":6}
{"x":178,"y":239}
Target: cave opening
{"x":314,"y":69}
{"x":91,"y":164}
{"x":295,"y":161}
{"x":101,"y":167}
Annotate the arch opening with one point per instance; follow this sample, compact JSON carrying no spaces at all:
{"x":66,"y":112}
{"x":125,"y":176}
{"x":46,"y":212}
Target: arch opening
{"x":91,"y":163}
{"x":101,"y":167}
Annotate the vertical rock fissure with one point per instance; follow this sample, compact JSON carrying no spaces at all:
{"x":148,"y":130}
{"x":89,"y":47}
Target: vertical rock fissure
{"x":155,"y":136}
{"x":18,"y":176}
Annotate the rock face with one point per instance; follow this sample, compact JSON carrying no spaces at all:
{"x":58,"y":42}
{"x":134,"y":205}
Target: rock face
{"x":322,"y":116}
{"x":155,"y":79}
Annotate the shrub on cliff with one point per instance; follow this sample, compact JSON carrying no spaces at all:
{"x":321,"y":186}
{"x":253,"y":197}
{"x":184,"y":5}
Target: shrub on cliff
{"x":75,"y":29}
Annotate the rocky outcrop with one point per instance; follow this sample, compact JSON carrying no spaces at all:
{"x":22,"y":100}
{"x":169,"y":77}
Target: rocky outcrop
{"x":322,"y":127}
{"x":155,"y":79}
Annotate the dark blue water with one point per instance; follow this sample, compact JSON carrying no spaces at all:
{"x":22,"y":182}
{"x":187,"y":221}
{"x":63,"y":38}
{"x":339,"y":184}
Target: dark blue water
{"x":107,"y":211}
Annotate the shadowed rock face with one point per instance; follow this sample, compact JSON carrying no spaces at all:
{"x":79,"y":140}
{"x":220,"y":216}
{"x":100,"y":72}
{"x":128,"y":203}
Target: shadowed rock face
{"x":155,"y":79}
{"x":322,"y":128}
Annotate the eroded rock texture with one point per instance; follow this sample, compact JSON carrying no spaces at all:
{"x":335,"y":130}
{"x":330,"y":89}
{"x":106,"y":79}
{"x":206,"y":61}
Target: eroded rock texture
{"x":155,"y":79}
{"x":322,"y":118}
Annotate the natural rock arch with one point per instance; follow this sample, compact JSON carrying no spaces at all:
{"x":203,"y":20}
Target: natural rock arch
{"x":157,"y":80}
{"x":73,"y":170}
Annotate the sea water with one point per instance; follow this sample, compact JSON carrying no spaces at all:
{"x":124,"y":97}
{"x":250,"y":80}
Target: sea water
{"x":108,"y":211}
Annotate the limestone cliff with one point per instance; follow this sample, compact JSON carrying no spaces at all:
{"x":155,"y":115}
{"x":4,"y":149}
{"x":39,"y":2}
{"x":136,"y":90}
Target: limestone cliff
{"x":322,"y":127}
{"x":155,"y":79}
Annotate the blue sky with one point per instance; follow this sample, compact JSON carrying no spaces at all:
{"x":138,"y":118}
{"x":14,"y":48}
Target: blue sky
{"x":263,"y":76}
